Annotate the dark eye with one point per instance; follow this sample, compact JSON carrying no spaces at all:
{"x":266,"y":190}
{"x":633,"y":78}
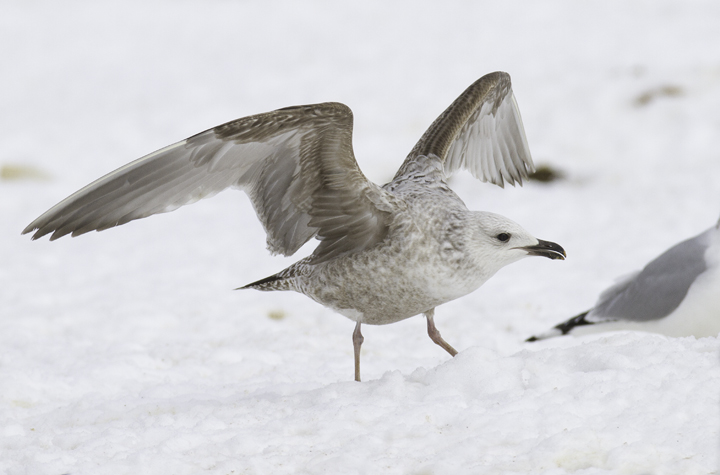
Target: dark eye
{"x":504,"y":237}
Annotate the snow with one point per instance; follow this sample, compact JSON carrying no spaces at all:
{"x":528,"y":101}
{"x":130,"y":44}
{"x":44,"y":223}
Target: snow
{"x":127,"y":351}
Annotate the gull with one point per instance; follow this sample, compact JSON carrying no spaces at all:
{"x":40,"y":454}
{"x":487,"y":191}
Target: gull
{"x":675,"y":294}
{"x":385,"y":253}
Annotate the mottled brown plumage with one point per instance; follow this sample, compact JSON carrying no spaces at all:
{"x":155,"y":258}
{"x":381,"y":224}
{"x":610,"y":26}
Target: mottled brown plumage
{"x":385,"y":253}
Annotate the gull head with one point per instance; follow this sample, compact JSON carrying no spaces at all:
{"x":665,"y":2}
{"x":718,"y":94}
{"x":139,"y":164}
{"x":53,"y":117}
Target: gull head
{"x":497,"y":241}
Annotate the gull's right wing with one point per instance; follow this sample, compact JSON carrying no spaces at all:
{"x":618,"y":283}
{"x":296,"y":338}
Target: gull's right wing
{"x":296,"y":164}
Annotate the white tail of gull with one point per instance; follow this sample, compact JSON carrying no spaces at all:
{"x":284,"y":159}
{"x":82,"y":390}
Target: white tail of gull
{"x":675,"y":294}
{"x":386,"y":253}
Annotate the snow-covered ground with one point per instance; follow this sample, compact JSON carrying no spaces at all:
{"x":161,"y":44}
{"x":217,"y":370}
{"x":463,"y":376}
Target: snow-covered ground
{"x":128,"y":352}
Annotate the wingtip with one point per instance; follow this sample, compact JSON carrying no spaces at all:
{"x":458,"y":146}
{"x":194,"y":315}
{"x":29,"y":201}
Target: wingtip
{"x":553,"y":332}
{"x":29,"y":229}
{"x":40,"y":232}
{"x":576,"y":321}
{"x":500,"y":75}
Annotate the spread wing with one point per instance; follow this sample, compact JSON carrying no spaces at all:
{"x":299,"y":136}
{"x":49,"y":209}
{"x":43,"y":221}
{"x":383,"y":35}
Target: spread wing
{"x":296,"y":164}
{"x":481,"y":132}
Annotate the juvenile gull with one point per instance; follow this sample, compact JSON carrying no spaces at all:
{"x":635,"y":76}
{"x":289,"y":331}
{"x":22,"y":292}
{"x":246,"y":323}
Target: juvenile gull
{"x":385,"y":253}
{"x":676,"y":294}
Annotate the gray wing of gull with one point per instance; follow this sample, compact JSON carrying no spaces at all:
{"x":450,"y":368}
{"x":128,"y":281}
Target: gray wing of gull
{"x":658,"y":289}
{"x":482,"y":132}
{"x":296,"y":164}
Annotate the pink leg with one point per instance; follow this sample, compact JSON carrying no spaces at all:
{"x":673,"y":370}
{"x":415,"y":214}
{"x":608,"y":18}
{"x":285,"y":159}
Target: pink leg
{"x":357,"y":342}
{"x":433,"y":332}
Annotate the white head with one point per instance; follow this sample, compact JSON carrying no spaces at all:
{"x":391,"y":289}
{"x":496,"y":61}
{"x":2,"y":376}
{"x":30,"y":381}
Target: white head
{"x":496,"y":241}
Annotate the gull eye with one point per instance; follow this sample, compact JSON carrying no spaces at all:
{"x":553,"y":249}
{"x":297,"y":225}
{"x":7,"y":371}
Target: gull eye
{"x":503,"y":237}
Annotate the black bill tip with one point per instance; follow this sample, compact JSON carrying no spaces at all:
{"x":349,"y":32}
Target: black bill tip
{"x":547,"y":249}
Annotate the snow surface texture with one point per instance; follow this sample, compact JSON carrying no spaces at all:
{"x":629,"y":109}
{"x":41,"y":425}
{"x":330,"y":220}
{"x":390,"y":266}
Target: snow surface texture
{"x":127,"y":351}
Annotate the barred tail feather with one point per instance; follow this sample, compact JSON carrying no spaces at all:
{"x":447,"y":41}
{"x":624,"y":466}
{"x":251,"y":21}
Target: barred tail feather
{"x":274,"y":282}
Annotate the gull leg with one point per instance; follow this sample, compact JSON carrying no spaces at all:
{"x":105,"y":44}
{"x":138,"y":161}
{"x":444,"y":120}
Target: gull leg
{"x":433,"y":333}
{"x":357,"y":342}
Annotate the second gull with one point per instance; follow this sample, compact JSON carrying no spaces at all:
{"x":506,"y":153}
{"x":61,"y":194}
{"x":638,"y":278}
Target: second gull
{"x":675,"y":294}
